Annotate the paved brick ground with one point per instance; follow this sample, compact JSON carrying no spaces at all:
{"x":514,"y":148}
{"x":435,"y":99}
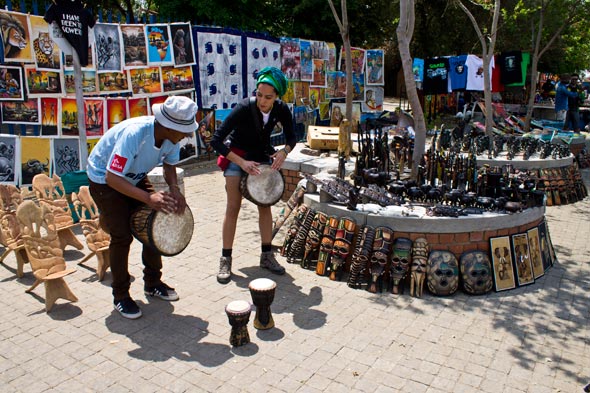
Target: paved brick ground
{"x":328,"y":337}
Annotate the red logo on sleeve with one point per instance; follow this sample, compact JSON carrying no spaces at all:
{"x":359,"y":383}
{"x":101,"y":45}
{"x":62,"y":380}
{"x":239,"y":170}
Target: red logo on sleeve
{"x":118,"y":163}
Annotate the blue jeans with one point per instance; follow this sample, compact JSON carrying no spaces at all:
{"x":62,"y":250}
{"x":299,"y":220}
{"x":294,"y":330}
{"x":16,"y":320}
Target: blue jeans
{"x":233,"y":170}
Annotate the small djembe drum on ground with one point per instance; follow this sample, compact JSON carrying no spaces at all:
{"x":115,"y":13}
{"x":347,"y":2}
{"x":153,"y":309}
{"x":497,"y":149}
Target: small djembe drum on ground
{"x":263,"y":294}
{"x":238,"y":314}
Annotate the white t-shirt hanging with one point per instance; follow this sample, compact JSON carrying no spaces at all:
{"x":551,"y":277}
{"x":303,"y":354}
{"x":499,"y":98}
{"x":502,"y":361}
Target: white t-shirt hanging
{"x":475,"y":72}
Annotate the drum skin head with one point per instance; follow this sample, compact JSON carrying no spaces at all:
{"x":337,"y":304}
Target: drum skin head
{"x":238,"y":307}
{"x":264,"y":189}
{"x":262,"y":284}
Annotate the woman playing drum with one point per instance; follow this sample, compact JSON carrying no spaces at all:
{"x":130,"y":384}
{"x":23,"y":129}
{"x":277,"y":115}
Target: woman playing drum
{"x":249,"y":126}
{"x":117,"y":169}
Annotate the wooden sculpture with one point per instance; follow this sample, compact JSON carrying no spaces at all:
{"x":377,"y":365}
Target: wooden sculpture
{"x":96,"y":238}
{"x":50,"y":193}
{"x":45,"y":254}
{"x":10,"y":236}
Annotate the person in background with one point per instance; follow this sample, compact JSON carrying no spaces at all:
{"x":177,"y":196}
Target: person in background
{"x":117,"y":170}
{"x":572,"y":117}
{"x":561,"y":98}
{"x":248,"y":146}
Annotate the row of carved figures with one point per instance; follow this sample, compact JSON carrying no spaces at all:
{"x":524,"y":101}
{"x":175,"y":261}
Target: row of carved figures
{"x":377,"y":260}
{"x":38,"y":229}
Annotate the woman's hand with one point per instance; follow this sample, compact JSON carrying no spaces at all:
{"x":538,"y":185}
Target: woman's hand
{"x":278,"y":158}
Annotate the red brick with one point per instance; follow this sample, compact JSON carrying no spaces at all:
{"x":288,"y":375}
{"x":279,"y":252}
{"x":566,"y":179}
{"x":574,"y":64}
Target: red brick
{"x":456,"y":249}
{"x":476,"y":236}
{"x":432,"y":238}
{"x":462,"y":237}
{"x":503,"y":232}
{"x":483,"y":246}
{"x":447,"y":238}
{"x":414,"y":236}
{"x":488,"y":234}
{"x":471,"y":246}
{"x":400,"y":234}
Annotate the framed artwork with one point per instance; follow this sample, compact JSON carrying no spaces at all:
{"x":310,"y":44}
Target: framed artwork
{"x":137,"y":107}
{"x":89,"y":85}
{"x":146,"y":81}
{"x":113,"y":82}
{"x":331,"y":56}
{"x":69,"y":117}
{"x":502,"y":263}
{"x":49,"y":115}
{"x":301,"y":90}
{"x":535,"y":252}
{"x":16,"y":37}
{"x":546,"y":254}
{"x":320,"y":67}
{"x":373,"y":99}
{"x":206,"y":121}
{"x":177,"y":78}
{"x":43,"y":83}
{"x":17,"y":112}
{"x":46,"y":51}
{"x":66,"y":155}
{"x":8,"y":153}
{"x":375,"y":63}
{"x":291,"y":58}
{"x":358,"y":87}
{"x":338,"y":113}
{"x":94,"y":115}
{"x":90,"y":143}
{"x":336,"y":84}
{"x":116,"y":111}
{"x":306,"y":61}
{"x":522,"y":259}
{"x":108,"y":46}
{"x":158,"y":41}
{"x":134,"y":46}
{"x":11,"y":83}
{"x":182,"y":44}
{"x":35,"y":158}
{"x":358,"y":60}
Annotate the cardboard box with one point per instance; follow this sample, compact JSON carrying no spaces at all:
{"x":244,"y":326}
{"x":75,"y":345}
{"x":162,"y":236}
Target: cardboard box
{"x":322,"y":138}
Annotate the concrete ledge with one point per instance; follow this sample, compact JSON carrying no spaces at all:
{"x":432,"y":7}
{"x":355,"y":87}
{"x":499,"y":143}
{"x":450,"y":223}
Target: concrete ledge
{"x":519,"y":163}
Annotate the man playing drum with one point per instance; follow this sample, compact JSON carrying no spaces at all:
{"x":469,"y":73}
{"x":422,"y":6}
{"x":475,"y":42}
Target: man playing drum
{"x":117,"y":169}
{"x":248,"y":127}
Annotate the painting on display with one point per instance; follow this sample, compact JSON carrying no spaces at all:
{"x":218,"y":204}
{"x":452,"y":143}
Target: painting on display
{"x":155,"y":100}
{"x":108,"y":46}
{"x":373,"y":99}
{"x":16,"y":37}
{"x":206,"y":122}
{"x":358,"y":60}
{"x":69,"y":59}
{"x":220,"y":115}
{"x":319,"y":50}
{"x":91,"y":143}
{"x":338,"y":113}
{"x":21,"y":112}
{"x":502,"y":263}
{"x":94,"y":115}
{"x":522,"y":259}
{"x":220,"y":70}
{"x":158,"y":41}
{"x":137,"y":107}
{"x":116,"y":111}
{"x":134,"y":46}
{"x":8,"y":153}
{"x":89,"y":85}
{"x":545,"y":244}
{"x":11,"y":83}
{"x":358,"y":87}
{"x":301,"y":90}
{"x":535,"y":252}
{"x":66,"y":155}
{"x":49,"y":116}
{"x":177,"y":78}
{"x":261,"y":53}
{"x":336,"y":84}
{"x":332,"y":65}
{"x":113,"y":82}
{"x":69,"y":117}
{"x":375,"y":63}
{"x":146,"y":81}
{"x":306,"y":61}
{"x":43,"y":83}
{"x":46,"y":51}
{"x":35,"y":158}
{"x":324,"y":110}
{"x":289,"y":96}
{"x":183,"y":50}
{"x":320,"y":67}
{"x":314,"y":97}
{"x":291,"y":58}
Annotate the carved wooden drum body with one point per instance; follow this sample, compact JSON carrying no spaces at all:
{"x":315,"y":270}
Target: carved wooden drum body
{"x":238,"y":315}
{"x":264,"y":189}
{"x":167,"y":233}
{"x":263,"y":294}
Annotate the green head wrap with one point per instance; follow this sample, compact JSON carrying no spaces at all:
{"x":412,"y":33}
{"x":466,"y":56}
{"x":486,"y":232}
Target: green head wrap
{"x":274,"y":77}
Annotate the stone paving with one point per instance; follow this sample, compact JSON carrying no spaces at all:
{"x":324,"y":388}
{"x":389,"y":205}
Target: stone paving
{"x":328,"y":337}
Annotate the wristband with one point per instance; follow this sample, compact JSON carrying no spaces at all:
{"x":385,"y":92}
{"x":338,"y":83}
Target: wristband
{"x":284,"y":151}
{"x":174,"y":186}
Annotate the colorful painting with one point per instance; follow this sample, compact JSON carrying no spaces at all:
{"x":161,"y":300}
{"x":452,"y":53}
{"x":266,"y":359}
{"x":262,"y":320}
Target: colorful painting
{"x":291,"y":58}
{"x":69,"y":59}
{"x":146,"y":81}
{"x":301,"y":90}
{"x":69,"y":117}
{"x":108,"y":46}
{"x":134,"y":46}
{"x":373,"y":99}
{"x":43,"y":83}
{"x":502,"y":263}
{"x":94,"y":115}
{"x":21,"y":112}
{"x":220,"y":115}
{"x":375,"y":64}
{"x":11,"y":83}
{"x":522,"y":259}
{"x":358,"y":87}
{"x":182,"y":44}
{"x":178,"y":78}
{"x":547,"y":253}
{"x":137,"y":107}
{"x":324,"y":110}
{"x":66,"y":155}
{"x":116,"y":111}
{"x":314,"y":97}
{"x":8,"y":168}
{"x":332,"y":66}
{"x":336,"y":84}
{"x":113,"y":82}
{"x":320,"y":67}
{"x":358,"y":60}
{"x":306,"y":61}
{"x":16,"y":37}
{"x":91,"y":143}
{"x":289,"y":96}
{"x":320,"y":50}
{"x":89,"y":85}
{"x":535,"y":252}
{"x":155,"y":100}
{"x":206,"y":122}
{"x":46,"y":51}
{"x":261,"y":53}
{"x":35,"y":158}
{"x":158,"y":40}
{"x":49,"y":116}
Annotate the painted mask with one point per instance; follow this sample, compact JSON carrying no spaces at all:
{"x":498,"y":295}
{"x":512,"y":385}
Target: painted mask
{"x":400,"y":262}
{"x":476,"y":271}
{"x":442,"y":273}
{"x":379,"y":257}
{"x":420,"y":250}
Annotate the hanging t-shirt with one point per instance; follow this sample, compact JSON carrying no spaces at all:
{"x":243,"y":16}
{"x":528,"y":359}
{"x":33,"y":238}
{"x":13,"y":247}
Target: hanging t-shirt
{"x":458,"y":72}
{"x":436,"y":75}
{"x":475,"y":72}
{"x":511,"y":67}
{"x":526,"y":59}
{"x":497,"y":85}
{"x":418,"y":69}
{"x":74,"y":20}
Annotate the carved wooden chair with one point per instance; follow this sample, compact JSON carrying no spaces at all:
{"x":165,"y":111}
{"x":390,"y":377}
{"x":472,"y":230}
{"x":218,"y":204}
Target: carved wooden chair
{"x":10,"y":236}
{"x":50,"y":192}
{"x":97,"y":239}
{"x":43,"y":248}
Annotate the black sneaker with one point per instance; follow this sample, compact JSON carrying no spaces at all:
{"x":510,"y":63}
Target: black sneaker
{"x":128,"y":308}
{"x":162,"y":291}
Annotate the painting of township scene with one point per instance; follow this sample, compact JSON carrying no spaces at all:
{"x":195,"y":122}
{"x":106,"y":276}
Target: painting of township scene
{"x":522,"y":259}
{"x":66,"y":155}
{"x":113,"y":82}
{"x":502,"y":263}
{"x":94,"y":115}
{"x":88,"y":82}
{"x":11,"y":84}
{"x":25,"y":112}
{"x":7,"y":159}
{"x":46,"y":51}
{"x":35,"y":153}
{"x":43,"y":83}
{"x":134,"y":46}
{"x":16,"y":37}
{"x":177,"y":78}
{"x":69,"y":117}
{"x":49,"y":115}
{"x":145,"y":81}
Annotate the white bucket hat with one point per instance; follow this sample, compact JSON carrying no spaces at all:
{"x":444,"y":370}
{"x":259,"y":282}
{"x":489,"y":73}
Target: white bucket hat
{"x":177,"y":113}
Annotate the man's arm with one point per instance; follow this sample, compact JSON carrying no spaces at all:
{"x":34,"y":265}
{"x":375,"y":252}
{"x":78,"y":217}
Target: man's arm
{"x":157,"y":200}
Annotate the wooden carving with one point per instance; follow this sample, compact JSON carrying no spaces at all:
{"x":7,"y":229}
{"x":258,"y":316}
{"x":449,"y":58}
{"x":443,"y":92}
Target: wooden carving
{"x":10,"y":236}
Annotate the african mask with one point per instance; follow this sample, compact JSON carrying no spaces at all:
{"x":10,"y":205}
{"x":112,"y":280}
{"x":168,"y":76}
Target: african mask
{"x":418,"y":267}
{"x":362,"y":248}
{"x":293,"y":228}
{"x":342,"y":244}
{"x":312,"y":243}
{"x":400,"y":262}
{"x":297,"y":248}
{"x":380,"y":255}
{"x":442,"y":273}
{"x":476,"y":271}
{"x":326,"y":245}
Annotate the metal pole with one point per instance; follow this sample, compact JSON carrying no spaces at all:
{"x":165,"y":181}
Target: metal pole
{"x":80,"y":111}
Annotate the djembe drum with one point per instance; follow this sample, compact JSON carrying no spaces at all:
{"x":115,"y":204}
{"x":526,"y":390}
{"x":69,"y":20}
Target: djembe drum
{"x":263,"y":294}
{"x":264,"y":189}
{"x":238,"y":314}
